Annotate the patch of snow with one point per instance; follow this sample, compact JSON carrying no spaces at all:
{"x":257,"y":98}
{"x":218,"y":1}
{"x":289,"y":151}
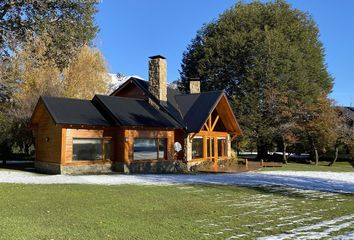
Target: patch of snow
{"x":203,"y":220}
{"x":268,"y":228}
{"x":117,"y":80}
{"x":317,"y":181}
{"x":173,"y":85}
{"x":316,"y":231}
{"x":237,"y":236}
{"x":213,"y":225}
{"x":228,"y":229}
{"x":346,"y":236}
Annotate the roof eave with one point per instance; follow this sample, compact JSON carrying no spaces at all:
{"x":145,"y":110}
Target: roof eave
{"x":52,"y":116}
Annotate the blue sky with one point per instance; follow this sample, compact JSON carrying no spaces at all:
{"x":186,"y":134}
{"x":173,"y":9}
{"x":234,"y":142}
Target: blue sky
{"x":133,"y":30}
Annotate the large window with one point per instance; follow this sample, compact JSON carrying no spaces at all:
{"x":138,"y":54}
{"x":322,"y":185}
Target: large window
{"x":91,"y":149}
{"x":211,"y":143}
{"x":197,"y":147}
{"x":221,"y":146}
{"x":149,"y":149}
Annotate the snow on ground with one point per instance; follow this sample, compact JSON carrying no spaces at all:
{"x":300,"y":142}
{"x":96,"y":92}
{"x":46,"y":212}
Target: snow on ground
{"x":311,"y":185}
{"x":307,"y":224}
{"x":317,"y":231}
{"x":319,"y":181}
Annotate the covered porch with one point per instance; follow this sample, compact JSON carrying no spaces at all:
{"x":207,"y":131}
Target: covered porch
{"x":213,"y":142}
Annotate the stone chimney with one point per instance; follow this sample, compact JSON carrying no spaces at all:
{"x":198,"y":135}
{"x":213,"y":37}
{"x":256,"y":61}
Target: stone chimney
{"x":194,"y":85}
{"x":158,"y":77}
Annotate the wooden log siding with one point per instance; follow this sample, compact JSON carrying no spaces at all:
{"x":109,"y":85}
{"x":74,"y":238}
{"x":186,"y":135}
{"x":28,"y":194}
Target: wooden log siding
{"x":129,"y":135}
{"x":131,"y":91}
{"x":48,"y":140}
{"x":70,"y":134}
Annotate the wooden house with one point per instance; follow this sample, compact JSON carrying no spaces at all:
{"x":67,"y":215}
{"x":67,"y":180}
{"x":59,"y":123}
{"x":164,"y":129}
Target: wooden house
{"x":143,"y":126}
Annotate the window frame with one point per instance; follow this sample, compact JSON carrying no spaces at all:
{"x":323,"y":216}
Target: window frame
{"x":203,"y":145}
{"x":102,"y":140}
{"x":157,"y":144}
{"x":223,"y":147}
{"x":214,"y":136}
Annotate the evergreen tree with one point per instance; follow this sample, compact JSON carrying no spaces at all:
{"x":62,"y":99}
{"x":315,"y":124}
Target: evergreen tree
{"x":256,"y":51}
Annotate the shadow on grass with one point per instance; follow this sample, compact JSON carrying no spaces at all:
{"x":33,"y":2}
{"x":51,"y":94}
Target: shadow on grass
{"x":255,"y":180}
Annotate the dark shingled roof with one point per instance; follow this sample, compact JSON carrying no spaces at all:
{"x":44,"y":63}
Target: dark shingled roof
{"x":183,"y":107}
{"x":184,"y":111}
{"x":134,"y":112}
{"x":73,"y":111}
{"x":171,"y":105}
{"x":196,"y":108}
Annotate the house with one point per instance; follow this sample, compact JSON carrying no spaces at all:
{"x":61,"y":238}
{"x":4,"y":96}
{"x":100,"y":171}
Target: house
{"x":143,"y":126}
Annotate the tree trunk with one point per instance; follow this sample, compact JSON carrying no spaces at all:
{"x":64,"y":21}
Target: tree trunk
{"x":285,"y":159}
{"x":335,"y":156}
{"x":262,"y":151}
{"x":316,"y":154}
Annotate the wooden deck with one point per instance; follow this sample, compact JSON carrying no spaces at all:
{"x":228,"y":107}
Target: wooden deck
{"x":250,"y":166}
{"x":241,"y":167}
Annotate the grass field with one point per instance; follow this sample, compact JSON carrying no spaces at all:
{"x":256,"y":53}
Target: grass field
{"x":168,"y":212}
{"x":323,"y":166}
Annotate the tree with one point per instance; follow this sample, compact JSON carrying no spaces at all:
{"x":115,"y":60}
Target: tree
{"x":344,"y":133}
{"x":69,"y":25}
{"x":33,"y":75}
{"x":319,"y":122}
{"x":87,"y":75}
{"x":285,"y":126}
{"x":253,"y":49}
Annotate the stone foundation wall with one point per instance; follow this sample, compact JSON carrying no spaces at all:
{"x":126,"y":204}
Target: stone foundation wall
{"x":84,"y":169}
{"x":151,"y":167}
{"x":52,"y":168}
{"x":135,"y":167}
{"x":49,"y":168}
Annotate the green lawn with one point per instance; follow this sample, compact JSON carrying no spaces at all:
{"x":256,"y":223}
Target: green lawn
{"x":323,"y":166}
{"x":162,"y":212}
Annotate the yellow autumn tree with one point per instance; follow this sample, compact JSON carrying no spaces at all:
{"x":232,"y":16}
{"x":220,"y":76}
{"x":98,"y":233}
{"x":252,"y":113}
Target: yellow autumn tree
{"x":87,"y":75}
{"x":36,"y":76}
{"x":31,"y":74}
